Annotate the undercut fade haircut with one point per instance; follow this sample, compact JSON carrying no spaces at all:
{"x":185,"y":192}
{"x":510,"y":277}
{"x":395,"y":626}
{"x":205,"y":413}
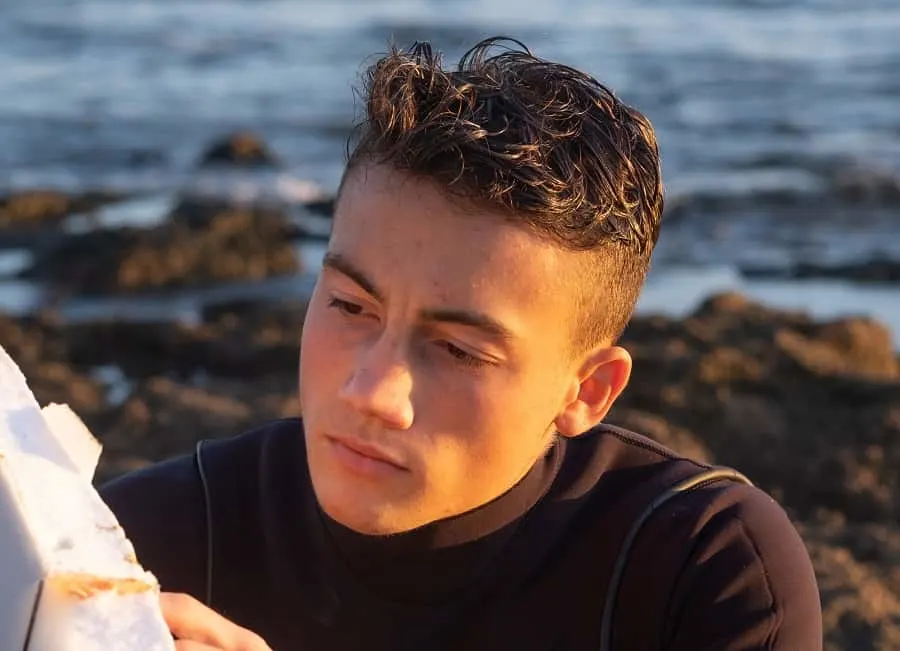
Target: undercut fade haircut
{"x":544,"y":144}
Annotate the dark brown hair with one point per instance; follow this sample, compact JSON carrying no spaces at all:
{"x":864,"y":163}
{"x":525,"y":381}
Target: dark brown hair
{"x":543,"y":143}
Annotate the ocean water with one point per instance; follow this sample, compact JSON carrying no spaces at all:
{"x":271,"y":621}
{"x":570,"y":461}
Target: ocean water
{"x":778,"y":121}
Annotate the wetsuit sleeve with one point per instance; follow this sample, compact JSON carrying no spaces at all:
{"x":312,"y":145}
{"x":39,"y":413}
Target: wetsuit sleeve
{"x":162,"y":510}
{"x":748,"y":584}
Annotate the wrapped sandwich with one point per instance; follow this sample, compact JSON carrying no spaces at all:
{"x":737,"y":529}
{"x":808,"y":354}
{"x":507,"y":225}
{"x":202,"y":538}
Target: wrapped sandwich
{"x":69,"y":577}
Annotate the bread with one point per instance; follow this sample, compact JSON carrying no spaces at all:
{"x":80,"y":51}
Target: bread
{"x":69,"y":577}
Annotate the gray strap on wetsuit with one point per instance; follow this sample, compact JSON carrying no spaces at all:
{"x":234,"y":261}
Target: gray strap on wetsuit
{"x":209,"y":523}
{"x":684,"y":486}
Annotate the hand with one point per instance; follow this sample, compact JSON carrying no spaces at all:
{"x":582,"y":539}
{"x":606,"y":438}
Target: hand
{"x":198,"y":628}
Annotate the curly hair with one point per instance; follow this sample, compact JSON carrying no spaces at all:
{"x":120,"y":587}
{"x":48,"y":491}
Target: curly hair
{"x":546,"y":145}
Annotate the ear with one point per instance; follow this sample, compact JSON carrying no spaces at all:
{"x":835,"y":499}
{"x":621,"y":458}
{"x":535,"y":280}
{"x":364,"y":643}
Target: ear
{"x":599,"y":383}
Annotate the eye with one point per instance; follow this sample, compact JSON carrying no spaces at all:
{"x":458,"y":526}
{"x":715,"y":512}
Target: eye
{"x":345,"y":307}
{"x":462,"y":356}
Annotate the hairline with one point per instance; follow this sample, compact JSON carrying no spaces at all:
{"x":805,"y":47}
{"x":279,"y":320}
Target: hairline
{"x":581,"y":334}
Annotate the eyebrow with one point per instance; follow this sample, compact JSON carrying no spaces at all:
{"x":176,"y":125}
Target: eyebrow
{"x":339,"y":263}
{"x":471,"y":319}
{"x":483,"y":322}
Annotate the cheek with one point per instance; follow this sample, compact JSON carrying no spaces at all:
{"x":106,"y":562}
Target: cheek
{"x":514,"y":414}
{"x":320,"y":353}
{"x":485,"y":414}
{"x":487,"y":436}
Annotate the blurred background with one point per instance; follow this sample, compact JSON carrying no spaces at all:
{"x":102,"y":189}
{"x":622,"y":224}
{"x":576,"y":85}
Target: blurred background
{"x":779,"y":121}
{"x":166,"y":175}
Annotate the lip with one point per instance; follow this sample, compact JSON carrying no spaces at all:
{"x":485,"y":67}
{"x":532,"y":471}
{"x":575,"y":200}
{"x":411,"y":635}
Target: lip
{"x":369,"y":451}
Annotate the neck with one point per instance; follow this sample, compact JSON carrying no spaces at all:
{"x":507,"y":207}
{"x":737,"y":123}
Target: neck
{"x":428,"y":563}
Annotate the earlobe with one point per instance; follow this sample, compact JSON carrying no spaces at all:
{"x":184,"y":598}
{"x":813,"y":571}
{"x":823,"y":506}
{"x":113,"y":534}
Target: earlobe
{"x":602,"y":379}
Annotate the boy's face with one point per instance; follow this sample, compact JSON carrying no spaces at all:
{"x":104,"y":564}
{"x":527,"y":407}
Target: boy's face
{"x":439,"y":339}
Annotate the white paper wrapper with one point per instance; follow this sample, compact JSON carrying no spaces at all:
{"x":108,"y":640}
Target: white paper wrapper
{"x":70,"y":578}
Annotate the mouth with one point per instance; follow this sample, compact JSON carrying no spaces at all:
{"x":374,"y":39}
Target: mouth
{"x":365,"y":458}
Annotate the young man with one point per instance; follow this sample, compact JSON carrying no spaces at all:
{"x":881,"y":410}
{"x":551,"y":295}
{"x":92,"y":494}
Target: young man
{"x":451,"y":484}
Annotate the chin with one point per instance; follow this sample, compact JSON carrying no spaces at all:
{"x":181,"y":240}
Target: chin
{"x":373,"y":502}
{"x":358,"y":505}
{"x":360,"y":513}
{"x":363,"y":523}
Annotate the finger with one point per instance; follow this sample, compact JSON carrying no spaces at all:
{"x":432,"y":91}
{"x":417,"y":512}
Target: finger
{"x":188,"y":645}
{"x":190,"y":620}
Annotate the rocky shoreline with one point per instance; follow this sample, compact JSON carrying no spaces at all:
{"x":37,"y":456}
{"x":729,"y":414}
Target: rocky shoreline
{"x":204,"y":238}
{"x":810,"y":411}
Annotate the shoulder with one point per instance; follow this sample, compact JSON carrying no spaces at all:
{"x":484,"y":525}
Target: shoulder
{"x":721,"y":565}
{"x":730,"y":568}
{"x":747,"y":575}
{"x":610,"y":463}
{"x":163,"y":507}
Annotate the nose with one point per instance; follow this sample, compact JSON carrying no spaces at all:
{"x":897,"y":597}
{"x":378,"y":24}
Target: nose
{"x":381,"y":387}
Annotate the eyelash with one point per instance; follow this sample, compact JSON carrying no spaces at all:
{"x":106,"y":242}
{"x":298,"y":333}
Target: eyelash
{"x":345,"y":307}
{"x":461,"y":356}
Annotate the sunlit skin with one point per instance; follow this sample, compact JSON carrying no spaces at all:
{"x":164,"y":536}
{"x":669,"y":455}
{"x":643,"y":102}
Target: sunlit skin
{"x":439,"y":338}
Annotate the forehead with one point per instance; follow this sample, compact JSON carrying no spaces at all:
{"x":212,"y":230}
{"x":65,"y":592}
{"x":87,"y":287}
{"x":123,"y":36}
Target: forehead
{"x":410,"y":237}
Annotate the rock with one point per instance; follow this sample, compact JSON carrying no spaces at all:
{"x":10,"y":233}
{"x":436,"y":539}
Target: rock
{"x":809,"y":411}
{"x":38,"y":347}
{"x":240,"y":149}
{"x":186,"y":382}
{"x":32,"y":339}
{"x":657,"y":428}
{"x":235,"y":246}
{"x":270,"y":321}
{"x":139,"y":350}
{"x":860,"y":604}
{"x":877,"y":270}
{"x":198,"y":212}
{"x":163,"y":418}
{"x":34,"y":208}
{"x":153,"y":422}
{"x":231,"y":348}
{"x":856,"y":349}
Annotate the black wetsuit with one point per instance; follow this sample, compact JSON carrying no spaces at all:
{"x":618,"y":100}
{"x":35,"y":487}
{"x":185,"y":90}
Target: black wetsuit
{"x":720,"y":568}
